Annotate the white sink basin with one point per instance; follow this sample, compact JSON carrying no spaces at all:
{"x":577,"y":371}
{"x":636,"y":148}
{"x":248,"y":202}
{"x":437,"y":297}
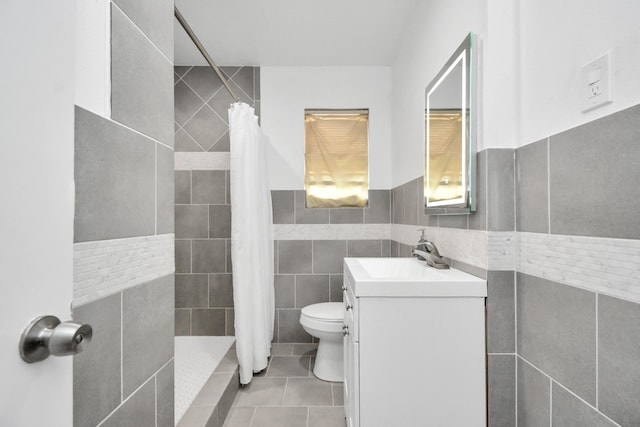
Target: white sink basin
{"x":409,"y":277}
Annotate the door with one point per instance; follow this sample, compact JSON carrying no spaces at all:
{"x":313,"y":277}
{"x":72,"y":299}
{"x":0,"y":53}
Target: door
{"x":36,"y":202}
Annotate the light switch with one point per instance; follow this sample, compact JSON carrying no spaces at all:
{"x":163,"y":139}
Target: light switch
{"x":595,"y":83}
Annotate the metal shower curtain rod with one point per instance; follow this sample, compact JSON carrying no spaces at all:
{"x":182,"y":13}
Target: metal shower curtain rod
{"x":203,"y":51}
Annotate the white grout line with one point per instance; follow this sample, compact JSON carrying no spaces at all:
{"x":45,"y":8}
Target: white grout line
{"x":155,"y":192}
{"x":550,"y":402}
{"x":122,"y":402}
{"x":155,"y":386}
{"x":597,"y":355}
{"x":515,"y":368}
{"x":548,"y":185}
{"x":190,"y":187}
{"x":170,"y":61}
{"x":190,"y":258}
{"x":565,"y":388}
{"x":150,"y":138}
{"x":121,"y":347}
{"x":286,"y":383}
{"x":515,"y":310}
{"x":515,"y":193}
{"x":194,"y":141}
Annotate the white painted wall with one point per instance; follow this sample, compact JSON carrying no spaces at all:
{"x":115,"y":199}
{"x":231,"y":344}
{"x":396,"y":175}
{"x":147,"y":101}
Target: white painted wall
{"x":36,"y":218}
{"x":558,"y":38}
{"x":285,"y":93}
{"x":435,"y":31}
{"x":93,"y":56}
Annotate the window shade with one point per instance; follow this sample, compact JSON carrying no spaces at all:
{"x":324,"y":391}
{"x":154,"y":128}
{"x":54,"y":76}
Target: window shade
{"x":337,"y":158}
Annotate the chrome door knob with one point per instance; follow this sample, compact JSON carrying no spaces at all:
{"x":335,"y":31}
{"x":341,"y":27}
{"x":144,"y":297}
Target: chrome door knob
{"x":47,"y":336}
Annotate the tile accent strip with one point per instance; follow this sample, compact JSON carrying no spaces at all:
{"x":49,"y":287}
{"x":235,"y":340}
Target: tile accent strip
{"x":467,"y":245}
{"x":604,"y":265}
{"x":103,"y":267}
{"x":502,"y":250}
{"x":331,"y":231}
{"x":201,"y":161}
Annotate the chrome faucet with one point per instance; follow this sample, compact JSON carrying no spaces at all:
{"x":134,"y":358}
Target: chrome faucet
{"x":427,"y":251}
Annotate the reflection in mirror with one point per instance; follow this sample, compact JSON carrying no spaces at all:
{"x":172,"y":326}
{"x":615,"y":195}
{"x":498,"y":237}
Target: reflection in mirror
{"x":448,"y":155}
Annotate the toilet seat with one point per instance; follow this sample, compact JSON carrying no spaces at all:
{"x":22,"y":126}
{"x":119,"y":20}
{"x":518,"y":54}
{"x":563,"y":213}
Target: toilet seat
{"x":332,"y":312}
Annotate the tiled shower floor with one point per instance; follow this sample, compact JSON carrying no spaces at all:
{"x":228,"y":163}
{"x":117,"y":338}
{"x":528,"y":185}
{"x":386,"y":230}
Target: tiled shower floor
{"x":287,"y":394}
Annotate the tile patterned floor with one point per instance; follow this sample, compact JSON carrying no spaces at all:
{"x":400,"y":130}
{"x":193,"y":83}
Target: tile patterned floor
{"x":288,"y":395}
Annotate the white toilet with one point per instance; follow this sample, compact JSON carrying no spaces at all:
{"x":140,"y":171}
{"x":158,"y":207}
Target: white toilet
{"x":324,"y":321}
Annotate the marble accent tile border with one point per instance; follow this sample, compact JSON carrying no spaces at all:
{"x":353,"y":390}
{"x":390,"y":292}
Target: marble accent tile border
{"x":468,"y":246}
{"x":331,"y":231}
{"x":603,"y":265}
{"x":502,"y":250}
{"x":201,"y":161}
{"x":104,"y":267}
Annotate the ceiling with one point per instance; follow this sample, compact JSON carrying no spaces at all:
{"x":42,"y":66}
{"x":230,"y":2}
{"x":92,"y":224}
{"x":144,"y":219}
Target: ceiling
{"x":293,"y":32}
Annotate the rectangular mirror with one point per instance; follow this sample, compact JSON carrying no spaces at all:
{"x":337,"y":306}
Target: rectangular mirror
{"x":449,"y":186}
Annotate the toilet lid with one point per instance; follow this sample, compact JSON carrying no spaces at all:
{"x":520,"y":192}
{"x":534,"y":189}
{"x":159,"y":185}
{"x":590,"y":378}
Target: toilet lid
{"x":325,"y":311}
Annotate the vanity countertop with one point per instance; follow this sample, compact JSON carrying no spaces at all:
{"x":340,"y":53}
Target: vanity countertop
{"x":409,"y":277}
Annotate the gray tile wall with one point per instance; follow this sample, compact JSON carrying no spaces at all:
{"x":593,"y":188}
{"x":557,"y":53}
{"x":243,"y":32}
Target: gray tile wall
{"x":582,"y":348}
{"x":310,"y":271}
{"x":580,"y":182}
{"x":495,"y":193}
{"x":496,"y":199}
{"x":124,"y":188}
{"x":577,"y":346}
{"x":204,"y":291}
{"x":130,"y":348}
{"x":202,"y":103}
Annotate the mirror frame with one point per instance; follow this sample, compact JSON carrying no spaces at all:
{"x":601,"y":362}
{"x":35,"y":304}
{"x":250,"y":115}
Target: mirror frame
{"x":466,"y":204}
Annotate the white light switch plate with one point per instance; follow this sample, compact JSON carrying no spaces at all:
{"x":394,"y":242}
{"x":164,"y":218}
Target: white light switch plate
{"x":595,"y":83}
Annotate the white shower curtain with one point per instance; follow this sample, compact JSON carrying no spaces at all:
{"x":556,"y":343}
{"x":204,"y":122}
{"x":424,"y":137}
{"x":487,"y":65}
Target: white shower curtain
{"x":251,"y":242}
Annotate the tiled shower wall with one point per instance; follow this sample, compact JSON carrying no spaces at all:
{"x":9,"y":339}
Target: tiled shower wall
{"x":123,"y":231}
{"x":204,"y":291}
{"x":562,"y":329}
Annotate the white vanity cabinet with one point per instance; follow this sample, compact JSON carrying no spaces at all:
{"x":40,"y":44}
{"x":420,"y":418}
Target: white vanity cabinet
{"x":414,"y":345}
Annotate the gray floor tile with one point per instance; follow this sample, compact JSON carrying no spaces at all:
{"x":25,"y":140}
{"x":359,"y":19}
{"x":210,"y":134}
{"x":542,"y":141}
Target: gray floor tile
{"x":308,"y":391}
{"x":280,"y":417}
{"x":289,"y":366}
{"x":338,"y":394}
{"x":326,"y":416}
{"x":261,"y":391}
{"x":240,"y":417}
{"x":305,"y":349}
{"x":281,"y":349}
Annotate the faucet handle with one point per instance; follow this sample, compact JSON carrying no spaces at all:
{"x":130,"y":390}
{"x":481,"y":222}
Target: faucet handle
{"x":422,"y":236}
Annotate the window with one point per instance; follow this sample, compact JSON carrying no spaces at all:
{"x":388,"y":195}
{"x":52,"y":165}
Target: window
{"x":336,"y":158}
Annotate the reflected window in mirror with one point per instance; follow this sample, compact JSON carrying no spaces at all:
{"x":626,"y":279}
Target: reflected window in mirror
{"x":449,"y":149}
